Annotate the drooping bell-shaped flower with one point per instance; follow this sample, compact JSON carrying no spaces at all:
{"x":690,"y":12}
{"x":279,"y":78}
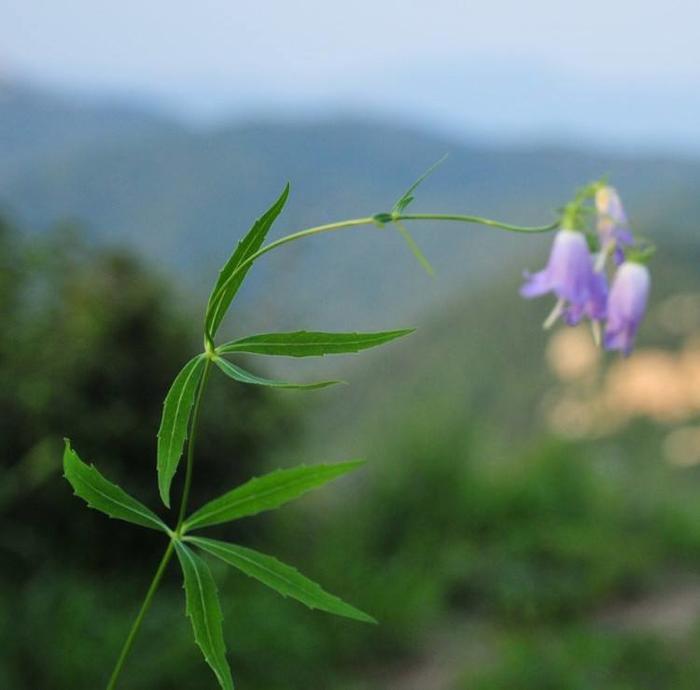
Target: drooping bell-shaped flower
{"x":570,"y":276}
{"x":626,"y":306}
{"x":595,"y":308}
{"x":613,"y":226}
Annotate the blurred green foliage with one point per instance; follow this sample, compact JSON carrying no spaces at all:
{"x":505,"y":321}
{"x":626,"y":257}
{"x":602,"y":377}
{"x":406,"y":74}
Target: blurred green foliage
{"x":583,"y":659}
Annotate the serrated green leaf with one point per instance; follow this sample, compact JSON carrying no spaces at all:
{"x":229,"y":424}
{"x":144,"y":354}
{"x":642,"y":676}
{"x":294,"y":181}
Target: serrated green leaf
{"x":204,"y":611}
{"x":266,"y":493}
{"x":243,"y":376}
{"x":174,"y":424}
{"x":310,"y":343}
{"x":232,"y":275}
{"x":101,"y":494}
{"x":282,"y":578}
{"x":407,"y":196}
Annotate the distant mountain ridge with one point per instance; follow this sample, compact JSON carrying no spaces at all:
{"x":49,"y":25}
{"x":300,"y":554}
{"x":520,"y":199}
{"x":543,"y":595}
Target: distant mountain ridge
{"x":183,"y":197}
{"x":35,"y":123}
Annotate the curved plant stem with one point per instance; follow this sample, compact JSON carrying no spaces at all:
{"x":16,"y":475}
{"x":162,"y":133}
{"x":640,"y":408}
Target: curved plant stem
{"x":374,"y":220}
{"x":371,"y":220}
{"x":478,"y":220}
{"x":129,"y":642}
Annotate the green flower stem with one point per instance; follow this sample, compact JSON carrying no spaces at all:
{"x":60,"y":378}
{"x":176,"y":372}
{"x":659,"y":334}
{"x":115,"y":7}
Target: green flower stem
{"x":155,"y":583}
{"x":371,"y":220}
{"x":374,"y":220}
{"x":477,"y":220}
{"x":128,"y":644}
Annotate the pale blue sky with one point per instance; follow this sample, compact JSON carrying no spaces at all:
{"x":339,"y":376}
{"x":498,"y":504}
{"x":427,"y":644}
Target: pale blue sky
{"x":625,"y":71}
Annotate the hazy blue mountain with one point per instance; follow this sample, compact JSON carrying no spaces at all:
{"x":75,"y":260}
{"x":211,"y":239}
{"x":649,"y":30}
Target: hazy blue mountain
{"x":35,"y":123}
{"x":183,"y":197}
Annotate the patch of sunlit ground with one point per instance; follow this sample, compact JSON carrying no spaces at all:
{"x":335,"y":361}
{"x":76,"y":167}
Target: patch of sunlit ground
{"x":597,"y":397}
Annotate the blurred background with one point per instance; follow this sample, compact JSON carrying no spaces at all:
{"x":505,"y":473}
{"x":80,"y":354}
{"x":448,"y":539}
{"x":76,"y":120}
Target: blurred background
{"x":529,"y":514}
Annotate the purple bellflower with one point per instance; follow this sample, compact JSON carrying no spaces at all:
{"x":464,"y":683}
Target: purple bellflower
{"x":613,"y":226}
{"x":595,"y":308}
{"x":570,"y":276}
{"x":626,"y":306}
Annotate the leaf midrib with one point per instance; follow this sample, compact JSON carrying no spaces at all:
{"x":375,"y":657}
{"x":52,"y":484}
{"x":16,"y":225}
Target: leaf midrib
{"x":152,"y":518}
{"x":248,"y":499}
{"x":204,"y":615}
{"x":195,"y":363}
{"x":317,"y":343}
{"x":315,"y":588}
{"x":246,"y":252}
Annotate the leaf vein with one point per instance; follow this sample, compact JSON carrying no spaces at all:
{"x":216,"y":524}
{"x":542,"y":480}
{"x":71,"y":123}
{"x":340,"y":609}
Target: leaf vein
{"x":150,"y":518}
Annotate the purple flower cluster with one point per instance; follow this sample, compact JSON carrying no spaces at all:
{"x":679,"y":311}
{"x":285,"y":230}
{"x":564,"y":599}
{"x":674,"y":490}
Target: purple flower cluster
{"x":579,"y":281}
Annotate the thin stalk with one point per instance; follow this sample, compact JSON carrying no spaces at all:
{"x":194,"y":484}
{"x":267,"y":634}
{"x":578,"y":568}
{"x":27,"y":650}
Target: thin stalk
{"x":128,"y":644}
{"x":372,"y":220}
{"x":478,"y":220}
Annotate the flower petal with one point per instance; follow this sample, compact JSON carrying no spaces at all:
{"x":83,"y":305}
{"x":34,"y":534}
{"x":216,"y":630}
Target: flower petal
{"x":626,"y":306}
{"x":536,"y":284}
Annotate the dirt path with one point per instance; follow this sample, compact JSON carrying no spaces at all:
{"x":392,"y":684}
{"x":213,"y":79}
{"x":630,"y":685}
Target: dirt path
{"x":448,"y":652}
{"x":671,"y":612}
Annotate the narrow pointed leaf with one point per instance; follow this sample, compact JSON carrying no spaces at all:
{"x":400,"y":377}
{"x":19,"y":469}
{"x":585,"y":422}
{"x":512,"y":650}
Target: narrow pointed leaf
{"x":310,"y":343}
{"x":243,"y":376}
{"x":233,"y":273}
{"x":284,"y":579}
{"x":204,"y":611}
{"x":174,"y":424}
{"x":266,"y":493}
{"x":407,"y":196}
{"x":415,"y":249}
{"x":101,"y":494}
